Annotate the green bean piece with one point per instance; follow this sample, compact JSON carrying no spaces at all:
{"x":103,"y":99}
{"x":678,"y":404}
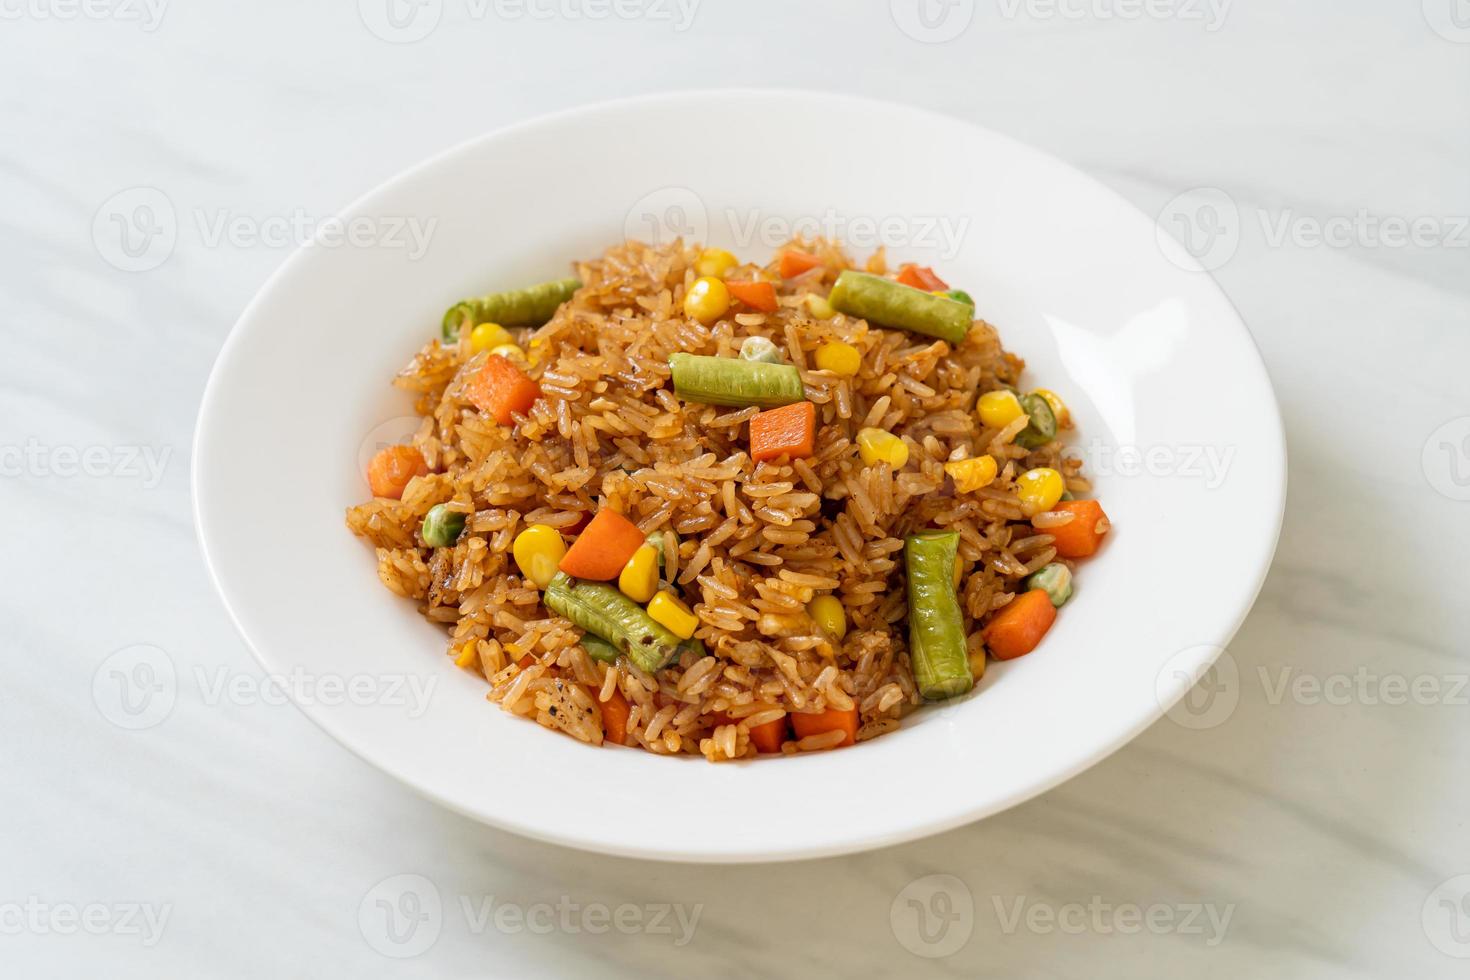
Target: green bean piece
{"x":732,"y":382}
{"x":603,"y":610}
{"x":1055,"y":580}
{"x":599,"y":649}
{"x":529,"y":307}
{"x":892,"y":304}
{"x":937,"y":650}
{"x":960,"y":296}
{"x":1043,"y":426}
{"x":442,"y":526}
{"x":760,"y":349}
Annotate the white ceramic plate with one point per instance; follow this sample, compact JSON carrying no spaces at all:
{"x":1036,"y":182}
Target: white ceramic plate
{"x":1147,"y":351}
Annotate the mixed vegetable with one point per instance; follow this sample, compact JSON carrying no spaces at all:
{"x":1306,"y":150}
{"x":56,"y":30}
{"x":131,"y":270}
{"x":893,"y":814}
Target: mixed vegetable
{"x":612,"y":580}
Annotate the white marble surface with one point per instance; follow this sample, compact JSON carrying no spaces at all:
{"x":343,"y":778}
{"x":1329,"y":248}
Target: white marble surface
{"x":1320,"y":824}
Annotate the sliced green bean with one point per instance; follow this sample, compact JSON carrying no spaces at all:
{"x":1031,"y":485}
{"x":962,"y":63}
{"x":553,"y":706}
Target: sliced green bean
{"x":1043,"y":426}
{"x":599,"y":649}
{"x":1055,"y":580}
{"x":603,"y":610}
{"x":892,"y":304}
{"x":733,"y":382}
{"x":442,"y":526}
{"x":937,"y":650}
{"x":529,"y":307}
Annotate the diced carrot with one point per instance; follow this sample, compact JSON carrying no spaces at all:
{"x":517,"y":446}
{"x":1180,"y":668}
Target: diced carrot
{"x":1020,"y":625}
{"x":501,"y":388}
{"x":603,"y":547}
{"x":615,"y":711}
{"x":831,"y":720}
{"x":790,"y":430}
{"x":921,"y":277}
{"x":391,"y":468}
{"x":1079,"y":537}
{"x":756,"y":294}
{"x":526,"y":661}
{"x":794,"y":262}
{"x":768,"y":737}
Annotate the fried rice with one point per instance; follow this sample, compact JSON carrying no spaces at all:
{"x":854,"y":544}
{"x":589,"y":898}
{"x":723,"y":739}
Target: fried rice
{"x":757,"y":541}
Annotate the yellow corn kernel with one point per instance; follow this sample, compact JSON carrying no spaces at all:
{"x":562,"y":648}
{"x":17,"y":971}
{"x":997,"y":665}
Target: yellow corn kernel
{"x":970,"y":475}
{"x":469,"y":655}
{"x":876,"y":446}
{"x":1039,"y":490}
{"x":707,"y":300}
{"x":1058,"y":407}
{"x":827,"y":612}
{"x":639,"y":578}
{"x":488,"y":335}
{"x":819,"y":307}
{"x":538,"y":550}
{"x":715,"y":262}
{"x":510,"y":352}
{"x":673,"y":615}
{"x":1000,"y":408}
{"x":841,"y":359}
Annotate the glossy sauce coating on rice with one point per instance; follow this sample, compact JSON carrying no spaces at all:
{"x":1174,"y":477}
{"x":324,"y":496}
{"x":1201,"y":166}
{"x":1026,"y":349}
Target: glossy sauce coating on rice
{"x":757,"y":540}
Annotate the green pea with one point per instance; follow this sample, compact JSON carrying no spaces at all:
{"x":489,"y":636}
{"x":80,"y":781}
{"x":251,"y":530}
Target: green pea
{"x":442,"y":526}
{"x":762,"y":350}
{"x":961,"y":296}
{"x":1055,"y":580}
{"x":1043,"y":427}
